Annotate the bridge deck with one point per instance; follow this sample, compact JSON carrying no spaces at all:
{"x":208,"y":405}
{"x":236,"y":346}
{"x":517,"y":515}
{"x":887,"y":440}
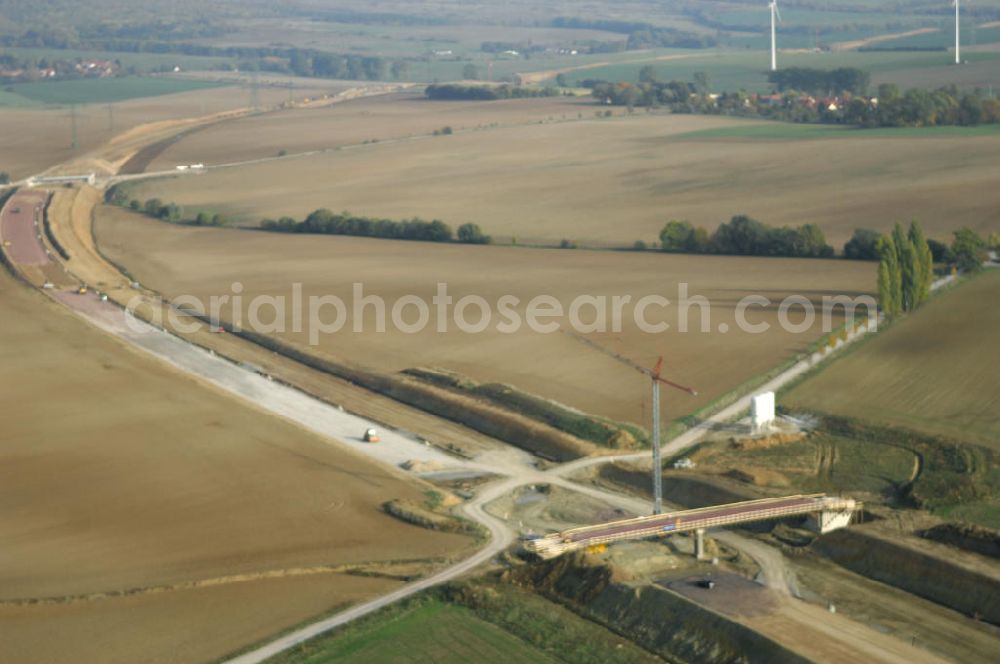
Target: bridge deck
{"x":687,"y":520}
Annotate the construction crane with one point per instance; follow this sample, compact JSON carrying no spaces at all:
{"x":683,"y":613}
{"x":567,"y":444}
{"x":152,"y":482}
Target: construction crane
{"x":656,"y":379}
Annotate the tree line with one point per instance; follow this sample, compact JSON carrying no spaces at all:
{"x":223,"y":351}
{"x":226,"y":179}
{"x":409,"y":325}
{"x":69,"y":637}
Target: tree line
{"x":889,"y":108}
{"x":821,"y":81}
{"x":321,"y":221}
{"x":165,"y":211}
{"x":640,"y":34}
{"x":906,"y":258}
{"x":307,"y":63}
{"x":454,"y":92}
{"x":745,"y":236}
{"x":922,"y":108}
{"x":967,"y":251}
{"x":325,"y":222}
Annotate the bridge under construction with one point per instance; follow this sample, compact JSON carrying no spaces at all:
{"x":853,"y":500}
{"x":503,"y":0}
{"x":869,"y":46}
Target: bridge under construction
{"x":828,"y":512}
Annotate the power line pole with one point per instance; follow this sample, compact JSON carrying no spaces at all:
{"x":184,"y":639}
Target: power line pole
{"x":111,"y":117}
{"x":72,"y":124}
{"x":255,"y":91}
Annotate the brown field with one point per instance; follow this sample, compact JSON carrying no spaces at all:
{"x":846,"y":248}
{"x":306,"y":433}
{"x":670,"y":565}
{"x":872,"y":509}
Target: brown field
{"x":34,"y":139}
{"x":119,"y":474}
{"x":183,"y":260}
{"x":389,"y":117}
{"x":190,"y":625}
{"x":597,"y":182}
{"x":936,"y":371}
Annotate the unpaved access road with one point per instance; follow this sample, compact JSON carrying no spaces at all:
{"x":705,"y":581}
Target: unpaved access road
{"x":244,"y":382}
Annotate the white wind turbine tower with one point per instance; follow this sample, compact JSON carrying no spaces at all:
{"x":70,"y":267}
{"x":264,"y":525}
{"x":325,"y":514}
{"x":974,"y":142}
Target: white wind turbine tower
{"x":958,"y":56}
{"x":776,"y":17}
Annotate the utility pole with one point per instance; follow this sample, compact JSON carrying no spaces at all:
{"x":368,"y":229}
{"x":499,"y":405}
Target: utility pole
{"x":255,"y":91}
{"x":72,"y":124}
{"x":111,"y":117}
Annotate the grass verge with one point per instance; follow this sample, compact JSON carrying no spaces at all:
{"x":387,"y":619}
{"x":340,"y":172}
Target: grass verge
{"x":599,"y":430}
{"x":472,"y":621}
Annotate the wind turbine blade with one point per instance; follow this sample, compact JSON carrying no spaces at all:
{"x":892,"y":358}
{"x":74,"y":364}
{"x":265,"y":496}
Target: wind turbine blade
{"x":777,"y":12}
{"x":657,"y":368}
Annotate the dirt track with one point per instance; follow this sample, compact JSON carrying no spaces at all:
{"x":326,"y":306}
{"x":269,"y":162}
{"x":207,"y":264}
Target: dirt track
{"x":861,"y":43}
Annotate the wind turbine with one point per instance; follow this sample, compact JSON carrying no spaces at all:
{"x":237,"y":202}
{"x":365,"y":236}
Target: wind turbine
{"x":958,"y":56}
{"x":656,"y":379}
{"x":776,"y":18}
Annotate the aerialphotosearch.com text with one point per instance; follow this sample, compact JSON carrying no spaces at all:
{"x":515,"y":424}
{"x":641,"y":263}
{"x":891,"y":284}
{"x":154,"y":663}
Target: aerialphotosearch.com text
{"x":320,"y":316}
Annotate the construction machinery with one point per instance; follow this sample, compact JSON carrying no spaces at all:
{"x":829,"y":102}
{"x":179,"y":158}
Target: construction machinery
{"x":656,"y":379}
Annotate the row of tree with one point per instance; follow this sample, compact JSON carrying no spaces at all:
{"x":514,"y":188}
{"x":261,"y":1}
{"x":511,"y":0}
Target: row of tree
{"x":967,"y":250}
{"x":321,"y":221}
{"x":640,"y":34}
{"x":921,"y":108}
{"x":170,"y":212}
{"x":454,"y":91}
{"x":828,"y":82}
{"x":325,"y":222}
{"x":907,"y":258}
{"x":297,"y":61}
{"x":744,"y":236}
{"x":889,"y":108}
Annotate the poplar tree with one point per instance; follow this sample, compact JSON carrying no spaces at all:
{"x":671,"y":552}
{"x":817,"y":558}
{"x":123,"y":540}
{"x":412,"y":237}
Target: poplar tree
{"x":925,"y":259}
{"x":884,"y":287}
{"x":900,"y":242}
{"x":909,"y":267}
{"x":893,"y":294}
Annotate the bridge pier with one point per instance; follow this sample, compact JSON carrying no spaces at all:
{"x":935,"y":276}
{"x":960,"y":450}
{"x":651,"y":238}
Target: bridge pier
{"x":699,"y":544}
{"x":829,"y":520}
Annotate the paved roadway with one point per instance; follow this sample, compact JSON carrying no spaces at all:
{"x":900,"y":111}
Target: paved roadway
{"x":23,"y":227}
